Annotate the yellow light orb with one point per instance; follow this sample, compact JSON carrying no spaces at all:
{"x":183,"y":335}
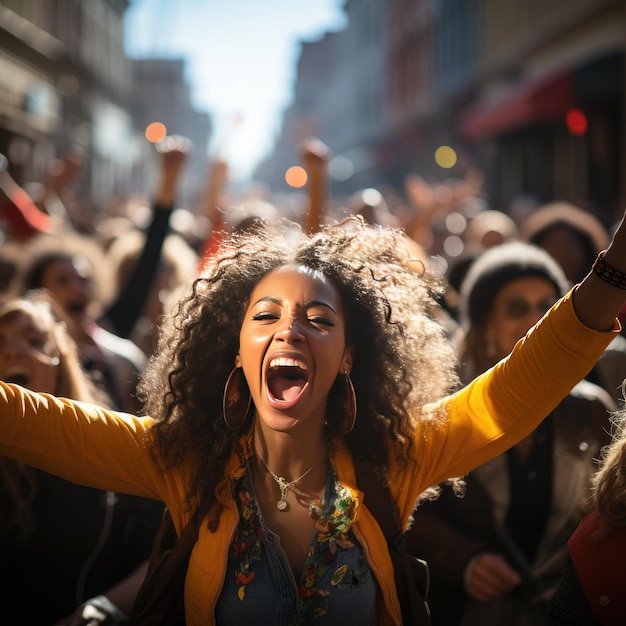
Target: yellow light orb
{"x":445,"y":157}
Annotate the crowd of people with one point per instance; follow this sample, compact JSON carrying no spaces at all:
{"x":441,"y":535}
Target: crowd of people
{"x":243,"y":371}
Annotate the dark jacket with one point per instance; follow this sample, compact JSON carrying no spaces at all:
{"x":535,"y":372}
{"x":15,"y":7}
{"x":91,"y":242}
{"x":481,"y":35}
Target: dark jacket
{"x":451,"y":530}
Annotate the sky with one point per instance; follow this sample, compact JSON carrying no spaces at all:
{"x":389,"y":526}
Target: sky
{"x":241,"y":60}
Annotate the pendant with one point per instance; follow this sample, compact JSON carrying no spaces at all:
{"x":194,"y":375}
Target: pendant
{"x":282,"y":504}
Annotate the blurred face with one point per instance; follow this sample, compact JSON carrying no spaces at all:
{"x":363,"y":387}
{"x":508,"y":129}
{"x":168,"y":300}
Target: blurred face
{"x":69,"y":282}
{"x":292,"y":347}
{"x":565,"y":245}
{"x":518,"y":306}
{"x":27,"y":356}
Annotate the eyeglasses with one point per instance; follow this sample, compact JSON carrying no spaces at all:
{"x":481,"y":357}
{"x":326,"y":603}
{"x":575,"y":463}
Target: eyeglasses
{"x":519,"y":307}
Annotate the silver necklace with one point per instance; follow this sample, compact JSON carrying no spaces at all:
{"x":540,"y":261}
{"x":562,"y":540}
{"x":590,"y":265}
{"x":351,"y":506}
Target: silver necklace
{"x":283,"y":485}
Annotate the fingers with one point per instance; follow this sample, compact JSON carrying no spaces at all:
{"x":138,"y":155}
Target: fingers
{"x":490,"y":577}
{"x":314,"y":151}
{"x":174,"y":150}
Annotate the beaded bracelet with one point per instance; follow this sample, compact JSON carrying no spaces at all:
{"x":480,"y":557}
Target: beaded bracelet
{"x":608,"y":273}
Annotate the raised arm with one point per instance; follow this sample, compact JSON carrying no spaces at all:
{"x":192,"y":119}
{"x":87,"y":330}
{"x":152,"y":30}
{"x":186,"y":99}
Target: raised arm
{"x":123,"y":314}
{"x":315,"y":155}
{"x":212,"y":205}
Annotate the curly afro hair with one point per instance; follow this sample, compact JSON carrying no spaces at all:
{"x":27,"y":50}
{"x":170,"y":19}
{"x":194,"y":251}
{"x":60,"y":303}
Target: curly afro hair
{"x":402,"y":356}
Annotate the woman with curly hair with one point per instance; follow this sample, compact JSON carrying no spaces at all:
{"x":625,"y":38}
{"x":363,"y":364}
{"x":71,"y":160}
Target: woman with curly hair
{"x":295,"y":359}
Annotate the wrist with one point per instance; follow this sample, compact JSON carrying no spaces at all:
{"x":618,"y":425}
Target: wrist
{"x":469,"y":570}
{"x":604,"y":269}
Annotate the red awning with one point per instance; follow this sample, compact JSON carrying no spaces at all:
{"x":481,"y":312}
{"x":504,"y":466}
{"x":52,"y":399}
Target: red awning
{"x":525,"y":102}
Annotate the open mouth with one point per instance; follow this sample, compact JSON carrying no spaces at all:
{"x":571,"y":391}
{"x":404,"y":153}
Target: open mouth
{"x":286,"y":379}
{"x":76,"y":308}
{"x":18,"y":379}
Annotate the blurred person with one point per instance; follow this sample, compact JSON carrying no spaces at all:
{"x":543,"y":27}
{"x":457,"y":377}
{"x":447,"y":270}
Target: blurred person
{"x":10,"y":255}
{"x":62,"y":546}
{"x":592,"y":591}
{"x":73,"y":270}
{"x":76,"y":271}
{"x":372,"y":206}
{"x":254,"y":212}
{"x":213,"y":203}
{"x":431,"y":202}
{"x":226,"y":216}
{"x":497,"y":551}
{"x":484,"y":229}
{"x":487,"y":229}
{"x":574,"y":237}
{"x":177,"y":267}
{"x":138,"y":284}
{"x":570,"y":235}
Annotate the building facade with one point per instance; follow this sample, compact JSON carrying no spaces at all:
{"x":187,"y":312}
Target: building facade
{"x":495,"y":80}
{"x":65,"y":81}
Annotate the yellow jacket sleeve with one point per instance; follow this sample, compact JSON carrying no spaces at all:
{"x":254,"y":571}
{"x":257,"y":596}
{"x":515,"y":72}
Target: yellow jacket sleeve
{"x":503,"y":405}
{"x":79,"y":442}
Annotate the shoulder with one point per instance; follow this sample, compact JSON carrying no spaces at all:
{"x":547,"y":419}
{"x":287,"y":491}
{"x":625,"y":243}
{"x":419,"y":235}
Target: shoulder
{"x":599,"y":563}
{"x":120,"y":347}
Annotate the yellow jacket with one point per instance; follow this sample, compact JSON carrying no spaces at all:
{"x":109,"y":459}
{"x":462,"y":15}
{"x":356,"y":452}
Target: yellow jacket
{"x":107,"y":450}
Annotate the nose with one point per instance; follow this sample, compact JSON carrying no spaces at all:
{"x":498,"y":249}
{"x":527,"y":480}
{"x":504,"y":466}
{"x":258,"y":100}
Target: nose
{"x":290,"y":331}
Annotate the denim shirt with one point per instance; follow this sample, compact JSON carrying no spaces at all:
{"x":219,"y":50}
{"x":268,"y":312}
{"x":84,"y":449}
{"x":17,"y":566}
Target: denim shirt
{"x":336,"y":587}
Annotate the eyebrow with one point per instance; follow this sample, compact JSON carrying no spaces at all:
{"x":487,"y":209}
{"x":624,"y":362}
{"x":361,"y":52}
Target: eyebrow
{"x":307,"y":305}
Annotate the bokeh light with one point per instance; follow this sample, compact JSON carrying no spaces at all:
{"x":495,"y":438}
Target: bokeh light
{"x":155,"y":132}
{"x":455,"y":223}
{"x":453,"y":246}
{"x":340,"y":168}
{"x":445,"y":157}
{"x":372,"y":197}
{"x":296,"y":176}
{"x":576,"y":122}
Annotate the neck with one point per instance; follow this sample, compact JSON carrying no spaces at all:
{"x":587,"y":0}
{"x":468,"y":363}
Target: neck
{"x":287,"y":454}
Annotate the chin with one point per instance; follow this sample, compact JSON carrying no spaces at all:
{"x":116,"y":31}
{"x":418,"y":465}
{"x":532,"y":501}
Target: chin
{"x":280,"y":422}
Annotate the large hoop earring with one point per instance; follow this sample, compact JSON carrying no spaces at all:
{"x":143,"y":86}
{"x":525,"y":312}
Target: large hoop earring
{"x":236,"y":401}
{"x":349,"y":405}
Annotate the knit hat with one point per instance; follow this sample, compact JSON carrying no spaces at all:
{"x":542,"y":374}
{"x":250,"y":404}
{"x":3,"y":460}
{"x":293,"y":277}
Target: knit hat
{"x":589,"y":227}
{"x":498,"y":266}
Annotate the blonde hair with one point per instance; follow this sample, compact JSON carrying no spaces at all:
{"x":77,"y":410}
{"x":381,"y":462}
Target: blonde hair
{"x":610,"y":480}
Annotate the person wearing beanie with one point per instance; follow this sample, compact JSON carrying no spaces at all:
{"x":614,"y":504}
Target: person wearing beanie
{"x":480,"y":286}
{"x":495,"y":554}
{"x":569,"y":234}
{"x":574,"y":237}
{"x":493,"y":270}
